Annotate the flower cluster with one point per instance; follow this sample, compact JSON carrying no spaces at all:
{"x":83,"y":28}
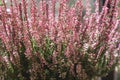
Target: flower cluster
{"x":52,"y":40}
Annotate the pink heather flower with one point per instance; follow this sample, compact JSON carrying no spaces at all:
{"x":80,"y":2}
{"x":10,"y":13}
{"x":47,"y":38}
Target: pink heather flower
{"x":93,"y":34}
{"x":6,"y":59}
{"x":88,"y":8}
{"x":97,"y":9}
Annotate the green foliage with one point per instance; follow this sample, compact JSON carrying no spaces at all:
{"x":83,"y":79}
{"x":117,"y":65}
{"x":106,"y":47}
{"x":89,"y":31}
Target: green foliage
{"x":119,"y":4}
{"x":43,"y":65}
{"x":24,"y":62}
{"x":0,"y":3}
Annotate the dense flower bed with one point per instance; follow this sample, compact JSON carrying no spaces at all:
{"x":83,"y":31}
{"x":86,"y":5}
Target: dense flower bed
{"x":37,"y":44}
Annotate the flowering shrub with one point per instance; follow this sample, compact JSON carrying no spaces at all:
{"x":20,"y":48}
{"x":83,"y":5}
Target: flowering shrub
{"x":55,"y":41}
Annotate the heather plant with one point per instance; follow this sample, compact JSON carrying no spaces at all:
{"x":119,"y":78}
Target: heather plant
{"x":56,"y":41}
